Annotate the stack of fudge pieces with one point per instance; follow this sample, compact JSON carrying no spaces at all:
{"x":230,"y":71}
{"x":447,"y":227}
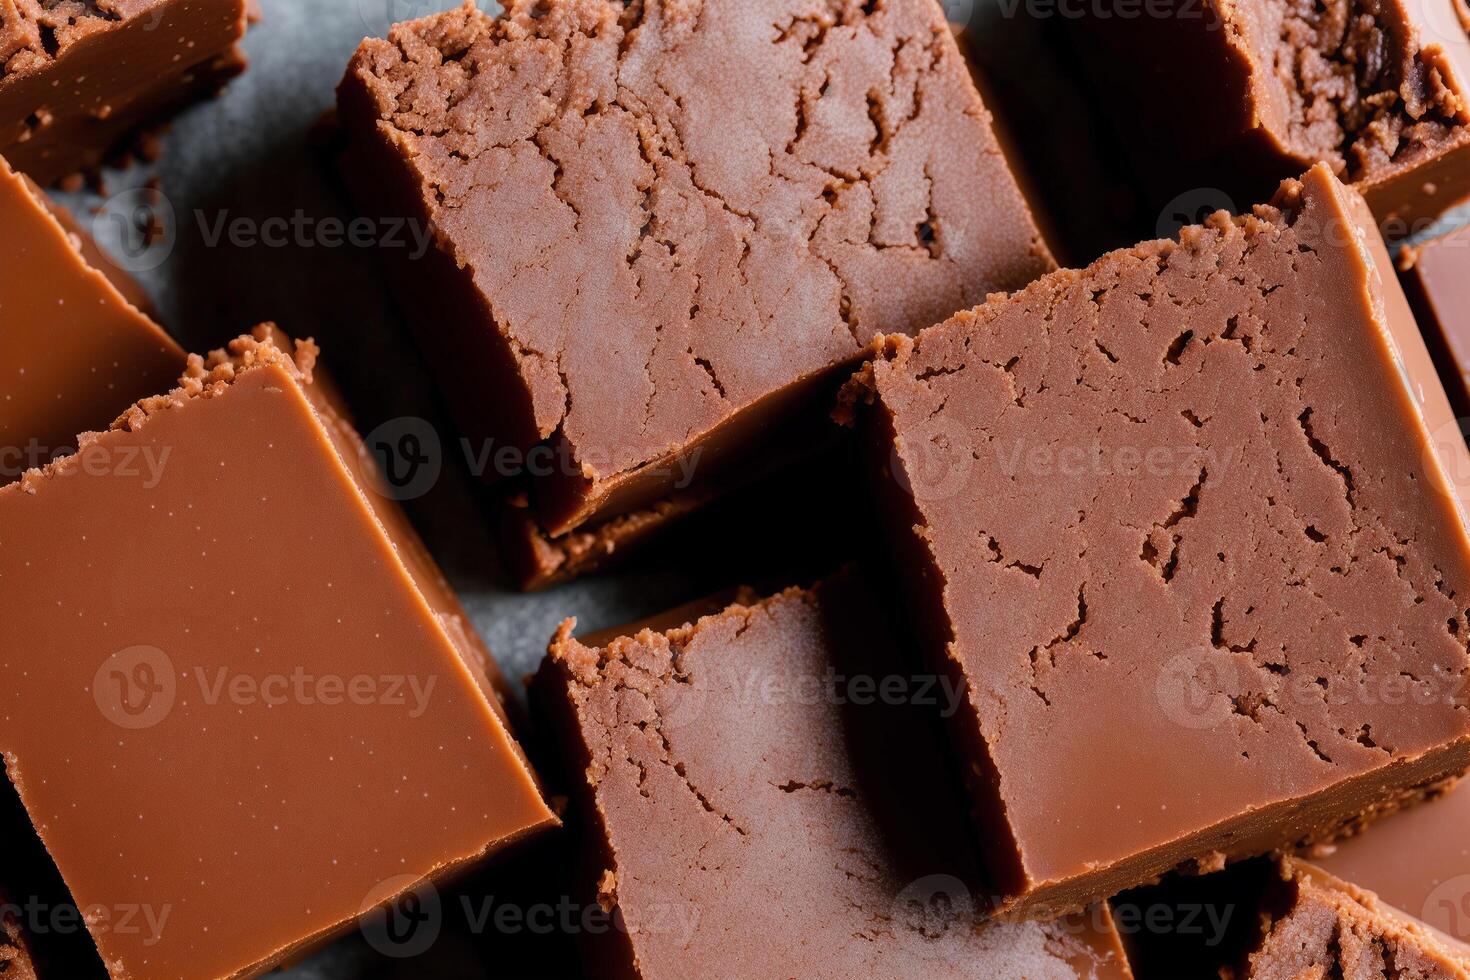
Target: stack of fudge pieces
{"x":1171,"y":571}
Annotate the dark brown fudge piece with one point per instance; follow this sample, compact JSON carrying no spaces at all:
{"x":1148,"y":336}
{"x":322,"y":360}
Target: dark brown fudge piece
{"x":1188,"y":524}
{"x":663,"y":227}
{"x":1326,"y":927}
{"x":757,"y":810}
{"x":1238,"y":96}
{"x":1436,"y":277}
{"x":77,"y":76}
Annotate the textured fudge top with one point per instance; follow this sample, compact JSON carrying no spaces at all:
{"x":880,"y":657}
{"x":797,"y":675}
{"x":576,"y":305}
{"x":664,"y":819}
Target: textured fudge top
{"x":675,"y":208}
{"x":762,"y":822}
{"x":1196,"y":554}
{"x":1363,"y":84}
{"x":35,"y":32}
{"x":231,"y":635}
{"x":1331,"y":929}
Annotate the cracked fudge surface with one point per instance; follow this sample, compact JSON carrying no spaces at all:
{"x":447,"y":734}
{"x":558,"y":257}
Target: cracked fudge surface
{"x":77,"y":76}
{"x":757,"y":812}
{"x":668,"y":222}
{"x":75,"y":350}
{"x":1378,"y":89}
{"x":1187,"y":523}
{"x":1329,"y":928}
{"x":264,"y":693}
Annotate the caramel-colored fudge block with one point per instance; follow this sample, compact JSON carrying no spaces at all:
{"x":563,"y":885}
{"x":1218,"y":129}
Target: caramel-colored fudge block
{"x":755,"y":811}
{"x":270,"y":727}
{"x":678,"y":266}
{"x":1188,"y":525}
{"x":75,"y":349}
{"x":78,"y":76}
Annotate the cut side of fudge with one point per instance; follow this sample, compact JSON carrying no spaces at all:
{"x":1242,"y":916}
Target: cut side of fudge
{"x":75,"y":349}
{"x":1417,"y":861}
{"x":1245,"y":94}
{"x":1329,"y":928}
{"x":1188,"y":526}
{"x":79,"y":76}
{"x":647,"y":268}
{"x":756,"y":807}
{"x":263,"y":693}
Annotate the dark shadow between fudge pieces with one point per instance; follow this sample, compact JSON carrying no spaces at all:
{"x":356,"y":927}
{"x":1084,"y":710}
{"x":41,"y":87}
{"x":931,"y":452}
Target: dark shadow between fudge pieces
{"x":34,"y":897}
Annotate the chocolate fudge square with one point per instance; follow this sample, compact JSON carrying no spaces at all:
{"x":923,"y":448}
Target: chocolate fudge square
{"x":75,"y":348}
{"x":1325,"y":927}
{"x":1237,"y":96}
{"x":662,"y":227}
{"x":757,"y":809}
{"x":263,"y":691}
{"x":78,"y":76}
{"x":1188,"y":525}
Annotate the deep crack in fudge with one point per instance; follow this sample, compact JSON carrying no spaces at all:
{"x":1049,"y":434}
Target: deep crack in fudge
{"x":1242,"y":95}
{"x":661,"y":227}
{"x":1326,"y":927}
{"x":75,"y":347}
{"x":263,"y":690}
{"x":1188,"y":524}
{"x":756,"y":809}
{"x":78,"y":76}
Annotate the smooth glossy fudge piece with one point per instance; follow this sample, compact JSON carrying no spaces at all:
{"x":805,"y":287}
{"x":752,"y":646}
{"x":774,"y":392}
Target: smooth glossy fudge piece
{"x":1237,"y":96}
{"x":262,"y":698}
{"x":1436,"y":277}
{"x":1188,"y":524}
{"x":78,"y":76}
{"x":1417,"y":861}
{"x":1326,"y":927}
{"x":75,"y":349}
{"x":756,"y":810}
{"x":649,"y":268}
